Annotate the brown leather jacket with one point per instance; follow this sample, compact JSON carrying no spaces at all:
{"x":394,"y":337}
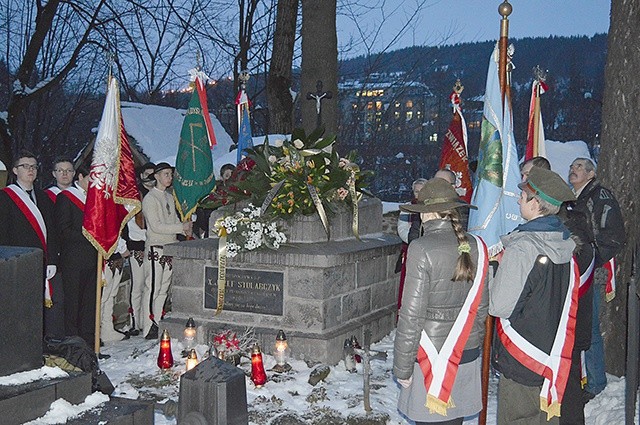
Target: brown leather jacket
{"x":431,"y":301}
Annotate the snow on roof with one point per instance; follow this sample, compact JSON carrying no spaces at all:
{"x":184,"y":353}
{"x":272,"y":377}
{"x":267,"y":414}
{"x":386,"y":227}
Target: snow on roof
{"x":157,"y":132}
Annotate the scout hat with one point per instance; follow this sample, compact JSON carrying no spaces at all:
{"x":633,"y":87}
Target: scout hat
{"x":548,"y":185}
{"x":436,"y":195}
{"x":162,"y":166}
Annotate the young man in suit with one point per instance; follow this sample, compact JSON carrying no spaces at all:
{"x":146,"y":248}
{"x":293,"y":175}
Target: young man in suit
{"x":26,"y":214}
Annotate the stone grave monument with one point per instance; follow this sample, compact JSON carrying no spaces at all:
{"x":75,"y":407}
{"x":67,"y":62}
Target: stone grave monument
{"x":319,"y":292}
{"x":21,"y":300}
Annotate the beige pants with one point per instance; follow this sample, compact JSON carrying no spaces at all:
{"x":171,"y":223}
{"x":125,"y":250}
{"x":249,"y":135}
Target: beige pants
{"x":112,"y":279}
{"x":136,"y":301}
{"x":158,"y":270}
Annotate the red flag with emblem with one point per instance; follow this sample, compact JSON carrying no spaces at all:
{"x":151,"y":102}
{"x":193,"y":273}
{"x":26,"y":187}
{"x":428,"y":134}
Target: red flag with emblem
{"x":535,"y":131}
{"x":112,"y":196}
{"x":454,"y":150}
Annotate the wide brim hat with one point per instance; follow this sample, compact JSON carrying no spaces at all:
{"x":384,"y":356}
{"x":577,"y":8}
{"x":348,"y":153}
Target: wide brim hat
{"x":146,"y":166}
{"x":548,"y":185}
{"x":162,"y":166}
{"x":435,"y":196}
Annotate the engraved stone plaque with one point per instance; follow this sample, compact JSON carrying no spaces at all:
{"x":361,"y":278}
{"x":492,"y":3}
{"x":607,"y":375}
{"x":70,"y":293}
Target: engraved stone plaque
{"x":250,"y":291}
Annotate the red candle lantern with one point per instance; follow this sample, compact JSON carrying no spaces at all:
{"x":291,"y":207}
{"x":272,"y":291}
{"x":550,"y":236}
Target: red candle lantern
{"x":165,"y":358}
{"x":258,"y":375}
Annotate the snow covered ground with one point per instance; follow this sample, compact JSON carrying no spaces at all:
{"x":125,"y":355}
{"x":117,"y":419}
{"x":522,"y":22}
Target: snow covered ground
{"x":132,"y":369}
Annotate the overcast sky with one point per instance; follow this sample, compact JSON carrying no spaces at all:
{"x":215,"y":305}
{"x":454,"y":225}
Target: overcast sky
{"x":454,"y":21}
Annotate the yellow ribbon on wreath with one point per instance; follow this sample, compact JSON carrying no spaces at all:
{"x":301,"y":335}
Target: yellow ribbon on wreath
{"x":355,"y":197}
{"x":321,"y":212}
{"x":222,"y":265}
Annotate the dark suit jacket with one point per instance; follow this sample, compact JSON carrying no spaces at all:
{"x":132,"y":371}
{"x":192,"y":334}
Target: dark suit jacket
{"x":15,"y":229}
{"x":75,"y":249}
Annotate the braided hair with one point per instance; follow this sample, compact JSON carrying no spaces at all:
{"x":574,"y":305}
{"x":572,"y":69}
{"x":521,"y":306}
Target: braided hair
{"x":465,"y":268}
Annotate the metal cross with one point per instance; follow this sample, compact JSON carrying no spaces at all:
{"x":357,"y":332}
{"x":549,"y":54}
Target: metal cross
{"x":318,"y":96}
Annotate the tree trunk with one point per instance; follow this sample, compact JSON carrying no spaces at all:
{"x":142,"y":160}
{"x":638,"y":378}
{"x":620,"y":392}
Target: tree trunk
{"x":620,"y":159}
{"x":279,"y":83}
{"x":319,"y":63}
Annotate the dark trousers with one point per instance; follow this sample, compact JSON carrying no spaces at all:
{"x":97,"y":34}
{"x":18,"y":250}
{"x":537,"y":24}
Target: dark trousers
{"x":53,"y":317}
{"x":520,"y":405}
{"x":80,"y":301}
{"x":572,"y":408}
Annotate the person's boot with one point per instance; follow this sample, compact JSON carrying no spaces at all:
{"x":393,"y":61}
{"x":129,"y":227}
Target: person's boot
{"x":153,"y":332}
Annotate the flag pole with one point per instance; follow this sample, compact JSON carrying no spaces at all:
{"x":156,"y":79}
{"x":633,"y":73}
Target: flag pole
{"x":536,"y":118}
{"x":96,"y":344}
{"x":504,"y":10}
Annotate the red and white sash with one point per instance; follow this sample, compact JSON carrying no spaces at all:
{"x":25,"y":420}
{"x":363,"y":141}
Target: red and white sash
{"x":610,"y":285}
{"x":31,"y":212}
{"x":440,"y":368}
{"x":554,"y":367}
{"x":77,"y":196}
{"x":586,"y":278}
{"x":52,"y":192}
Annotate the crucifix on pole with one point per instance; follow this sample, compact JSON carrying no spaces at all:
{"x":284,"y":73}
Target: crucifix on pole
{"x":318,"y":96}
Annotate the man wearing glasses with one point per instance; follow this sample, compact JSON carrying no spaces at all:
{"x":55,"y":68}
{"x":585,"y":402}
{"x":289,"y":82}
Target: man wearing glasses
{"x":63,"y":172}
{"x":26,"y":215}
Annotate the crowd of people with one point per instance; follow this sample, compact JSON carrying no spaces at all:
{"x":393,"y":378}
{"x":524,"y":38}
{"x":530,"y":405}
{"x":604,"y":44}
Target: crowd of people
{"x":544,"y":290}
{"x":52,"y":220}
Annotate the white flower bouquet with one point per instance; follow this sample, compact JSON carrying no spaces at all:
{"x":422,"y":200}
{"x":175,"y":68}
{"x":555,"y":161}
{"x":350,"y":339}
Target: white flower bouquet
{"x":247,"y":230}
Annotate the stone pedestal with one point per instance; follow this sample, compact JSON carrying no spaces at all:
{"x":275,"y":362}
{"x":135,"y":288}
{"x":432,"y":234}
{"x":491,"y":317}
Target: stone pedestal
{"x":26,"y":402}
{"x":318,"y":292}
{"x":216,"y":390}
{"x":21,"y":298}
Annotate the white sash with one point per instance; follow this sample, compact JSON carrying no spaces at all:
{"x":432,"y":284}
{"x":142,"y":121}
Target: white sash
{"x":79,"y":194}
{"x":53,"y":192}
{"x":31,"y":206}
{"x":554,"y":367}
{"x":440,"y":368}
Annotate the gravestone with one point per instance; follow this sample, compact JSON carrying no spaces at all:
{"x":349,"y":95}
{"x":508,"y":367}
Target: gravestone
{"x":319,"y":292}
{"x":216,"y":390}
{"x":21,"y":298}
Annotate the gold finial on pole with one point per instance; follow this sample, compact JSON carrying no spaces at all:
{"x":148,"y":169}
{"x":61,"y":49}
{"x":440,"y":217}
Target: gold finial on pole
{"x":244,"y":78}
{"x":458,"y":87}
{"x":504,"y":10}
{"x":111,"y":58}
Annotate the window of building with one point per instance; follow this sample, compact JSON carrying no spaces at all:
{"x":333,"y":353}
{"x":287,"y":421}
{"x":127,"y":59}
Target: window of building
{"x":409,"y":104}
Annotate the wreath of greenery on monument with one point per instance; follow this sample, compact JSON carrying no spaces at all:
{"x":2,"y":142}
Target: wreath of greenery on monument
{"x":302,"y":175}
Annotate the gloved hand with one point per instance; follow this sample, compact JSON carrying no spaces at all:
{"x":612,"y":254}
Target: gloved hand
{"x":406,"y":383}
{"x":51,"y":271}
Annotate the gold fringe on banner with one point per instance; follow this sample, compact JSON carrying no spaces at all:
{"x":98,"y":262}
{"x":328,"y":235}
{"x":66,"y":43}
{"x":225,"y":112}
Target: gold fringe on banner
{"x":435,"y":405}
{"x":222,"y":265}
{"x":321,"y":212}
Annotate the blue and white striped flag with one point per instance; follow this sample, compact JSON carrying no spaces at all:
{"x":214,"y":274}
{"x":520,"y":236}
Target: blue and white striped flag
{"x":496,"y":193}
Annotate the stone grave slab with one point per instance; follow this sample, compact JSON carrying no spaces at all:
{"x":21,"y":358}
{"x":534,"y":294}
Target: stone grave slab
{"x":21,"y":298}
